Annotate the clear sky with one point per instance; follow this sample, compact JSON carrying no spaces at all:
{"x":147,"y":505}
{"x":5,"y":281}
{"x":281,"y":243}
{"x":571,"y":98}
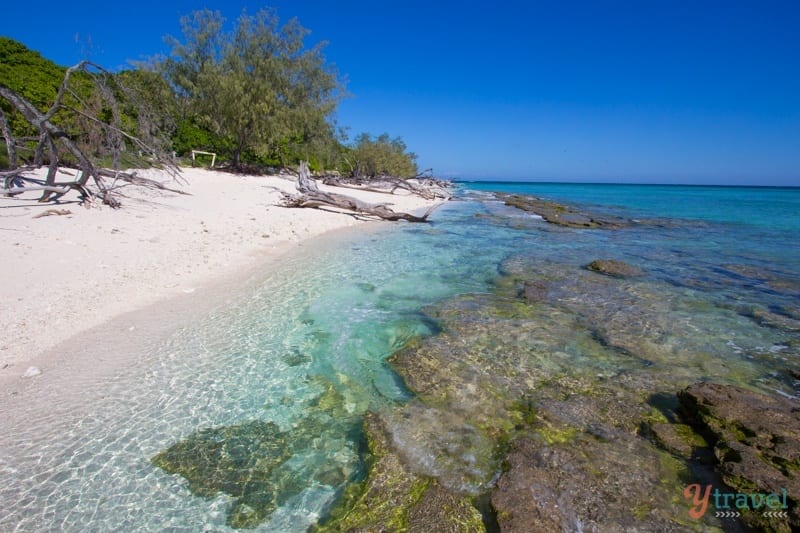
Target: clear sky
{"x":681,"y":91}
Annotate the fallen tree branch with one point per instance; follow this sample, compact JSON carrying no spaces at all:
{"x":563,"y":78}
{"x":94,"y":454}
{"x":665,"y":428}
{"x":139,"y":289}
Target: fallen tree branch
{"x":59,"y":212}
{"x":133,"y":179}
{"x":426,"y":188}
{"x":311,"y":196}
{"x":59,"y":189}
{"x":55,"y":142}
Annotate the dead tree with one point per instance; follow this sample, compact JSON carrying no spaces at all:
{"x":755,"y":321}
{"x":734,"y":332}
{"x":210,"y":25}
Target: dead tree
{"x":311,"y":196}
{"x":11,"y":143}
{"x":58,"y":143}
{"x":427,"y":188}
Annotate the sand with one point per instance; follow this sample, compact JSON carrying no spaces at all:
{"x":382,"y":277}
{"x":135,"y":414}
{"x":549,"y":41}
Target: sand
{"x":64,"y":275}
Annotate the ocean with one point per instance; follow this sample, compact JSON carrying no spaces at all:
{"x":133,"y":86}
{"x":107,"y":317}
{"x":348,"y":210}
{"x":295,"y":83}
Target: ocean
{"x":291,"y":368}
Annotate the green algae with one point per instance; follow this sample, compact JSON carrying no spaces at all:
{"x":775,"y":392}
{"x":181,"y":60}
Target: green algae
{"x":251,"y":461}
{"x":392,"y":498}
{"x":553,"y":434}
{"x":237,"y":460}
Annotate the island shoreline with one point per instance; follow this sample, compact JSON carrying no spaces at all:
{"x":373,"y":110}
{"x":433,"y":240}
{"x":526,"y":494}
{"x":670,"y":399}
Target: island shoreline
{"x":127,"y":312}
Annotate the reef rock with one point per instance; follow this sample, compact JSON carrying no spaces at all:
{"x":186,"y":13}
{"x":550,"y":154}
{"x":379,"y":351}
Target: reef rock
{"x":534,"y":291}
{"x":237,"y":460}
{"x":563,"y":215}
{"x":614,"y":268}
{"x":756,"y":439}
{"x":393,"y":498}
{"x":584,"y":484}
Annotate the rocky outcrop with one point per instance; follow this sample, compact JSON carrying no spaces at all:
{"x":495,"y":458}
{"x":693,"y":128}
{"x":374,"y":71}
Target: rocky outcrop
{"x":563,"y":215}
{"x":755,"y":438}
{"x":563,"y":436}
{"x":393,"y":498}
{"x":585,"y":484}
{"x":614,"y":268}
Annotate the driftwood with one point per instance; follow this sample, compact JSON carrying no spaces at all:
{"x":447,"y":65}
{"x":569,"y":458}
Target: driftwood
{"x":311,"y":196}
{"x":56,"y":142}
{"x":16,"y":182}
{"x":427,"y":188}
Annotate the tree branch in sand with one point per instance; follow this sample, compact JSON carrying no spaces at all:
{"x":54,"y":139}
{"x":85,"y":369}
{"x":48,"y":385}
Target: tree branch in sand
{"x":311,"y":196}
{"x":11,"y":143}
{"x":58,"y":144}
{"x":420,"y":186}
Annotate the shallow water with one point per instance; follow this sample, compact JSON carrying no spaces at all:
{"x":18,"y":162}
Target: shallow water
{"x":305,"y":348}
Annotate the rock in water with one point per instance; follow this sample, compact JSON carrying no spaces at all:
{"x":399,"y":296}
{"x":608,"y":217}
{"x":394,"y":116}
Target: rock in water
{"x":393,"y":498}
{"x":585,"y":484}
{"x":534,"y":291}
{"x":614,"y":268}
{"x":563,"y":215}
{"x":252,"y":461}
{"x":756,"y":439}
{"x":237,"y":460}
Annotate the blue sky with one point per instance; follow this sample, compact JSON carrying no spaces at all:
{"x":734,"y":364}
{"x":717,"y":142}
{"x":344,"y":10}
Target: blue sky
{"x":646,"y":91}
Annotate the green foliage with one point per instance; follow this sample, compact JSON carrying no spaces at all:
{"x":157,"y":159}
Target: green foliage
{"x":138,"y":102}
{"x":150,"y":104}
{"x":190,"y":136}
{"x":30,"y":75}
{"x":257,"y":87}
{"x":381,"y":156}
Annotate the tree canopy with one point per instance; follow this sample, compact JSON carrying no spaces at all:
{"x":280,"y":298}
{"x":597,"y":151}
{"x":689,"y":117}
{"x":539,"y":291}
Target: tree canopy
{"x":258,"y":87}
{"x":381,"y":156}
{"x":253,"y":92}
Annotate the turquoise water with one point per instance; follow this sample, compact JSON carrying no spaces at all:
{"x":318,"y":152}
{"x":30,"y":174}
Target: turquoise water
{"x":305,"y":348}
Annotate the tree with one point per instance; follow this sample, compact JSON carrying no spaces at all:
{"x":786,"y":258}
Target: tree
{"x":32,"y":77}
{"x":87,"y":101}
{"x":382,"y":156}
{"x":258,"y":86}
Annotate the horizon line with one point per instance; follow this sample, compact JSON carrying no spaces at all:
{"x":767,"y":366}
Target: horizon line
{"x":506,"y":181}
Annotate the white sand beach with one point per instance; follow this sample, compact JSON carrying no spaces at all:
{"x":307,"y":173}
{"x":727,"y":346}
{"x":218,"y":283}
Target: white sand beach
{"x":65,"y":274}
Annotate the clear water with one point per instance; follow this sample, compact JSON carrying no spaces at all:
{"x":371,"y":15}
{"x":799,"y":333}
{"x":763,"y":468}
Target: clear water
{"x":326,"y":321}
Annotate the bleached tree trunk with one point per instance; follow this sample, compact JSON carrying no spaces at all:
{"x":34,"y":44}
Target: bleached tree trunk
{"x":311,"y":196}
{"x":11,"y":143}
{"x":56,"y":141}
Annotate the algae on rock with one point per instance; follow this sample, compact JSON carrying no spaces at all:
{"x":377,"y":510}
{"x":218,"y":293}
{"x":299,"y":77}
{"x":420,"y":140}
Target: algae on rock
{"x":251,"y":461}
{"x":237,"y":460}
{"x":392,"y":498}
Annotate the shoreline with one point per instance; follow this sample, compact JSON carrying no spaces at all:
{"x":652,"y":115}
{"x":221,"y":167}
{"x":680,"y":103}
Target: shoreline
{"x":77,"y":273}
{"x":78,"y":372}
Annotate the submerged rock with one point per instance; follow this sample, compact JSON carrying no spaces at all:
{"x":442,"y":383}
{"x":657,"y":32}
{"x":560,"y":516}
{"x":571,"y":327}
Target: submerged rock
{"x":534,"y":291}
{"x":756,"y":439}
{"x":614,"y":268}
{"x":393,"y":498}
{"x":780,"y":282}
{"x":237,"y":460}
{"x":667,"y":328}
{"x":772,"y":319}
{"x":252,"y":461}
